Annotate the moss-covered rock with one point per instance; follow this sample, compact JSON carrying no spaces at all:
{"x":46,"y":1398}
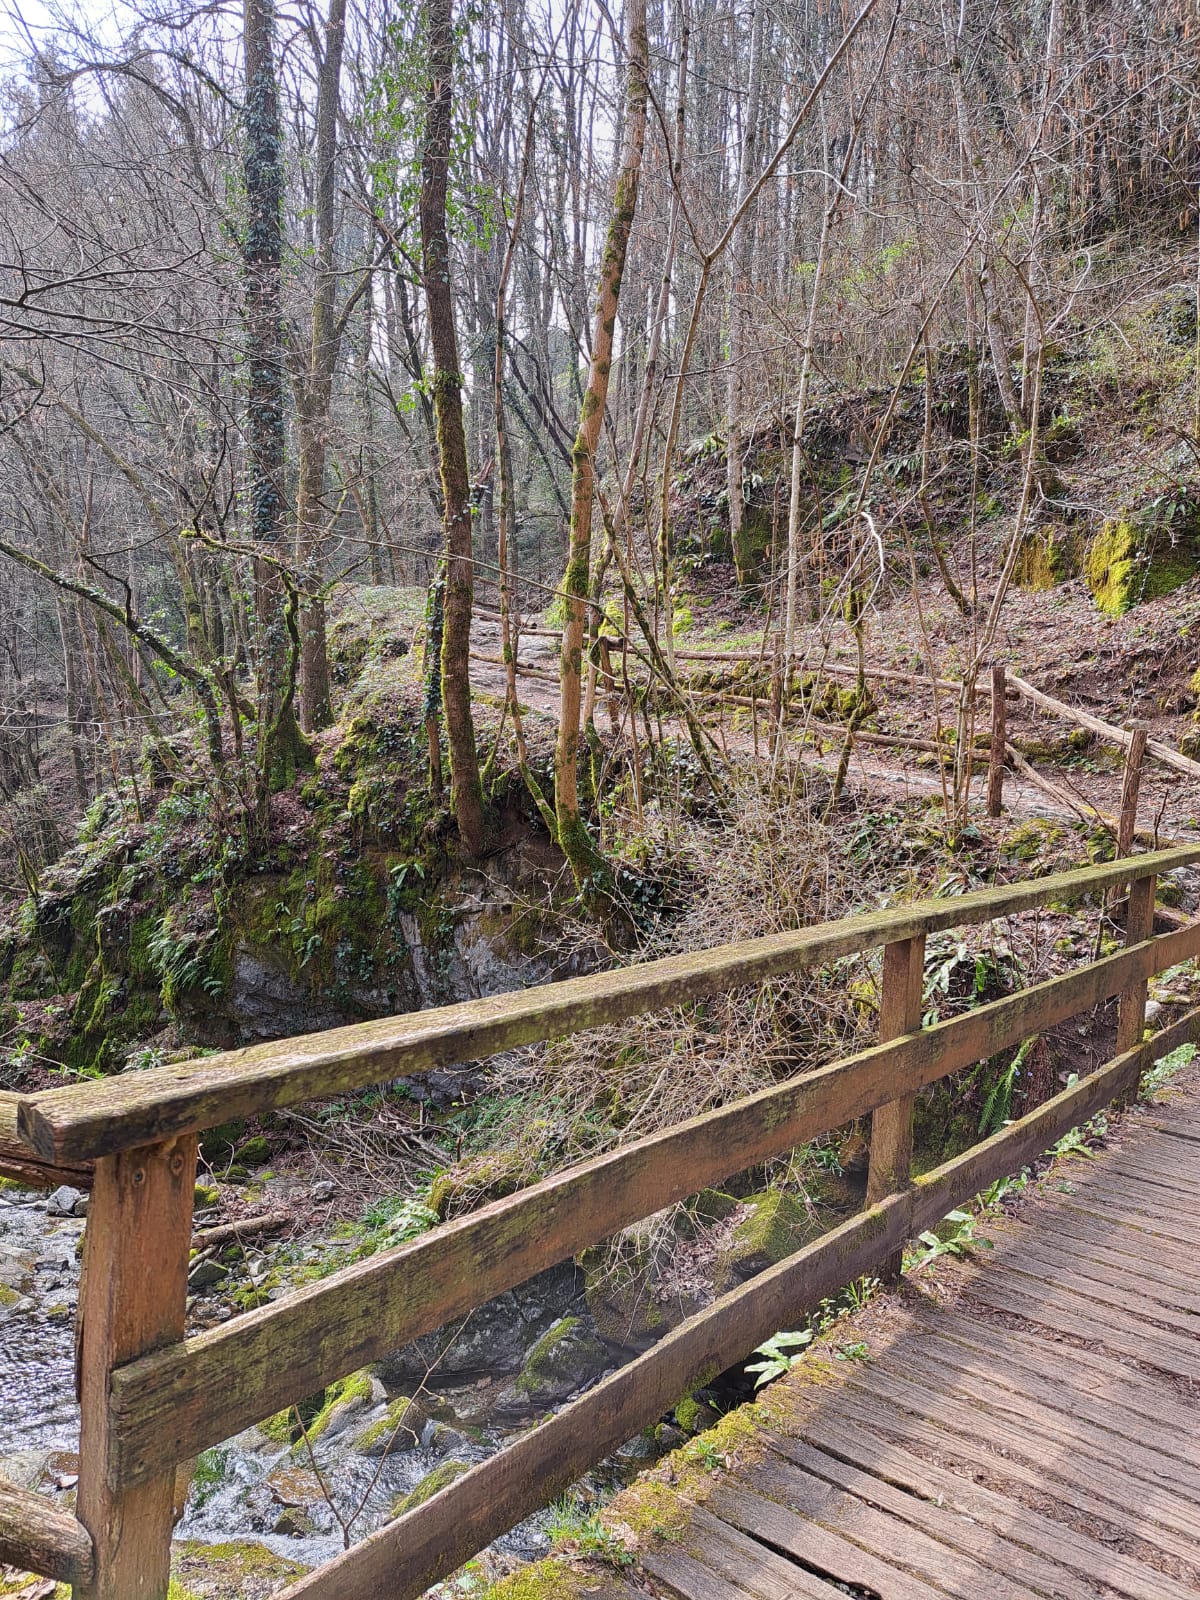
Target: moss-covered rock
{"x":442,"y":1476}
{"x":566,"y":1356}
{"x":344,"y":1400}
{"x":694,"y":1414}
{"x":1047,"y":557}
{"x":398,"y":1429}
{"x":241,"y":1567}
{"x":775,"y":1228}
{"x":625,"y":1305}
{"x":545,"y":1580}
{"x":1144,"y":554}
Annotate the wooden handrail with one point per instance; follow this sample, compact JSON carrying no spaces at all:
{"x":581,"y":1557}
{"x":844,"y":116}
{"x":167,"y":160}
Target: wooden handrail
{"x":177,"y":1401}
{"x":152,"y":1398}
{"x":38,"y":1536}
{"x":99,"y":1118}
{"x":1121,"y":737}
{"x":403,"y":1558}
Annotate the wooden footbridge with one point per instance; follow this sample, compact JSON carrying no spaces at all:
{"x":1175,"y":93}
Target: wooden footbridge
{"x":1073,"y":1358}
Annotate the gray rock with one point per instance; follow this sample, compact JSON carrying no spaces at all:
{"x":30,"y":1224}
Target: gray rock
{"x":63,"y":1201}
{"x":322,"y":1191}
{"x":567,"y":1356}
{"x":205,"y":1273}
{"x":494,"y":1339}
{"x":396,"y":1428}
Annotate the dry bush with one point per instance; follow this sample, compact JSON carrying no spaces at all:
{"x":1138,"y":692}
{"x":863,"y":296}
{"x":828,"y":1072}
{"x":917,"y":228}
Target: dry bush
{"x":766,"y":866}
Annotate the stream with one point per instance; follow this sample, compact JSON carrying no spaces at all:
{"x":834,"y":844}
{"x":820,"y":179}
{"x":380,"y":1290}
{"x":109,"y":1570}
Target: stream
{"x":255,"y":1487}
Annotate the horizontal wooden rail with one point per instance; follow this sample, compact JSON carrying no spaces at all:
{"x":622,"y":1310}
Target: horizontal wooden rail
{"x":86,"y":1120}
{"x":177,"y":1401}
{"x":1118,"y":736}
{"x":38,"y":1536}
{"x":403,"y":1558}
{"x":18,"y":1161}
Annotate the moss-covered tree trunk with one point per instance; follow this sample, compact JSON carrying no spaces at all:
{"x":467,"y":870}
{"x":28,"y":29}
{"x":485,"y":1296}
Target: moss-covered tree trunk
{"x":586,"y":863}
{"x":281,"y":746}
{"x":316,"y":389}
{"x":466,"y":793}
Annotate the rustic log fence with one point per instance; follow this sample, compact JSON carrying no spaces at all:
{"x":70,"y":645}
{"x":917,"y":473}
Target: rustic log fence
{"x":153,"y":1398}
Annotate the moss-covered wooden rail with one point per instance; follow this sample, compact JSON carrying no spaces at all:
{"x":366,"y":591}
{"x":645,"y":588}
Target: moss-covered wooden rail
{"x":152,"y":1398}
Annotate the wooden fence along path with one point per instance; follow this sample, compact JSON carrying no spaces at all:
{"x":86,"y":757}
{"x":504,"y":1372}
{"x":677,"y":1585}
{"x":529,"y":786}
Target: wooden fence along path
{"x":1031,"y":1430}
{"x":153,"y":1398}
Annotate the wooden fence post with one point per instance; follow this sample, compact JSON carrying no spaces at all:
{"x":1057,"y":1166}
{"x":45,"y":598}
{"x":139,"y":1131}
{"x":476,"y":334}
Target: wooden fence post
{"x":133,"y":1299}
{"x":1139,"y":926}
{"x":1131,"y":782}
{"x":892,"y":1125}
{"x":995,"y":789}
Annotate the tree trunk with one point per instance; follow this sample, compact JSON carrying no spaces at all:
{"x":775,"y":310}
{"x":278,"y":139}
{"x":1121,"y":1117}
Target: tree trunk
{"x":586,"y":863}
{"x":313,"y":430}
{"x":281,"y":746}
{"x":466,"y":794}
{"x":740,"y":252}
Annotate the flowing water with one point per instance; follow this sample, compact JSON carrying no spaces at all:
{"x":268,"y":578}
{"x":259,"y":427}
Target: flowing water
{"x":247,"y":1488}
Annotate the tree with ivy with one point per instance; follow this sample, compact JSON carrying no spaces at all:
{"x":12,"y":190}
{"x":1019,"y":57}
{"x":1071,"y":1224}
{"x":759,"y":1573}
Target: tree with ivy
{"x":466,"y":790}
{"x":281,"y":746}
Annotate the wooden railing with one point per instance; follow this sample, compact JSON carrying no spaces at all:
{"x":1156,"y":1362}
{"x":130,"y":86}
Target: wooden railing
{"x":152,"y":1398}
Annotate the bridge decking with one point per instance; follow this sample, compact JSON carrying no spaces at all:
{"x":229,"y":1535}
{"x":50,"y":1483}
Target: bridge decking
{"x":1028,"y":1425}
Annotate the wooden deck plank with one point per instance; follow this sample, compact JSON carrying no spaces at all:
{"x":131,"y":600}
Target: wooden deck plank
{"x":852,"y":1541}
{"x":1012,"y":1454}
{"x":1154,"y":1229}
{"x":1099,"y":1288}
{"x":949,"y":1504}
{"x":1083,"y":1371}
{"x":938,"y":1371}
{"x":715,"y":1561}
{"x":1127,"y":1195}
{"x":1156,"y":1281}
{"x":1068,"y":1314}
{"x":1090,"y":1387}
{"x":997,"y":1418}
{"x":1176,"y":1262}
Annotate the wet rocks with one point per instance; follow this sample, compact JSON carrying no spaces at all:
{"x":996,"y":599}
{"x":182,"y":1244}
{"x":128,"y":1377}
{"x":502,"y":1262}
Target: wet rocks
{"x":568,"y":1356}
{"x":493,"y":1340}
{"x":400,"y":1426}
{"x":67,"y":1202}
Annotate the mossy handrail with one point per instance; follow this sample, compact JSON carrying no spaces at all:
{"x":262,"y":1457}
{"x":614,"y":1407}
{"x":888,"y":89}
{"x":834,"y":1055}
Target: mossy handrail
{"x":152,"y":1398}
{"x":97,"y":1118}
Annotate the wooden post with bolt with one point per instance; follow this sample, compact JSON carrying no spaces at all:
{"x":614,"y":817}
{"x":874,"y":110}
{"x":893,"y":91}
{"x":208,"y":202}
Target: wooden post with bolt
{"x":1139,"y":926}
{"x":892,"y":1125}
{"x":995,"y":788}
{"x":139,"y":1232}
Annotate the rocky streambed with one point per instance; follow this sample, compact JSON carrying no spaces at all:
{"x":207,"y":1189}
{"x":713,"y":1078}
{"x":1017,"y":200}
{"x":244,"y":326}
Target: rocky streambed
{"x":295,"y":1490}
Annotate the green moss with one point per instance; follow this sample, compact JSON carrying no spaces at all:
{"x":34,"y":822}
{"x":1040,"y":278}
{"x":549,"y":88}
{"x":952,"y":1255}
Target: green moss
{"x":230,"y":1564}
{"x":354,"y":1390}
{"x":1136,"y":558}
{"x":565,"y":1353}
{"x":281,"y":1427}
{"x":775,"y":1228}
{"x":1033,"y":839}
{"x":206,"y":1195}
{"x":547,"y":1580}
{"x":693,"y":1415}
{"x":398,"y":1429}
{"x":442,"y":1476}
{"x":1046,"y":558}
